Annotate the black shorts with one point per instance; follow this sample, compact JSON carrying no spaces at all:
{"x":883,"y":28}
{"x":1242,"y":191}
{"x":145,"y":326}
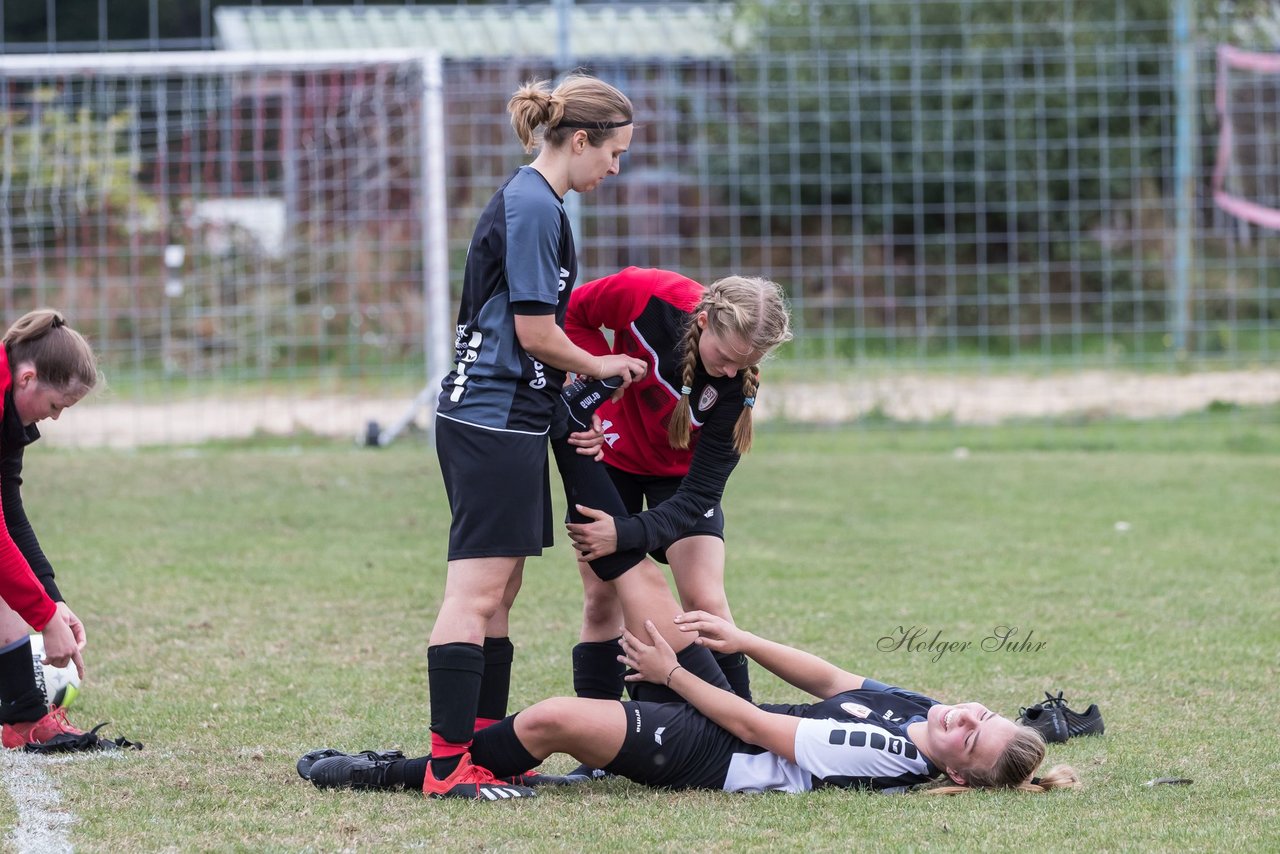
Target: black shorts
{"x":674,"y":746}
{"x":639,"y":491}
{"x":499,"y":487}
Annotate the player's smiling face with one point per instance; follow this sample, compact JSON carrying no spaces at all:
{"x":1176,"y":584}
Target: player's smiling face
{"x":966,"y":736}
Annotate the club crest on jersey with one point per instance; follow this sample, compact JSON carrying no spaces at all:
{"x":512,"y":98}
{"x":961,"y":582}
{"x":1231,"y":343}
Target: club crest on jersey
{"x":857,"y":710}
{"x":708,"y":399}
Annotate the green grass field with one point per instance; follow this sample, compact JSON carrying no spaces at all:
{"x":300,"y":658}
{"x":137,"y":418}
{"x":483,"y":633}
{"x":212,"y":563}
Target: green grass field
{"x":248,"y":603}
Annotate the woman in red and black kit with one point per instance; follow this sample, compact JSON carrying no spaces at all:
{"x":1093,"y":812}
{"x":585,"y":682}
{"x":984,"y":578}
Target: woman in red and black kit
{"x":670,"y":442}
{"x":45,"y":367}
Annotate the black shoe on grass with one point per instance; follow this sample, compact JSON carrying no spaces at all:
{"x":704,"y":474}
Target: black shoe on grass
{"x":1047,"y":720}
{"x":310,"y":759}
{"x":1074,"y":723}
{"x":333,"y":769}
{"x":1088,"y":722}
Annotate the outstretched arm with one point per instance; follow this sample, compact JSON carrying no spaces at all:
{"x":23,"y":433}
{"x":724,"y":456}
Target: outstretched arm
{"x":804,"y":670}
{"x":657,"y":663}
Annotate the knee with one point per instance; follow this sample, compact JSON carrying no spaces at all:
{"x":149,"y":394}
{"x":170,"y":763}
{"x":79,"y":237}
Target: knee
{"x":601,"y":611}
{"x":600,"y":606}
{"x":477,"y":607}
{"x":542,"y":722}
{"x":12,"y":627}
{"x":713,"y":602}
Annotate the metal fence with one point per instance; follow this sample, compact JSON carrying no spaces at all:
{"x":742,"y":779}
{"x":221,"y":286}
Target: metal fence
{"x":955,"y":187}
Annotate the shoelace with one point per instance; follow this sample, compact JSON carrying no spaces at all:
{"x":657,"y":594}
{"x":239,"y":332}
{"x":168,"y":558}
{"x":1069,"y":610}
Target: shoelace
{"x":1049,"y":702}
{"x":59,"y":714}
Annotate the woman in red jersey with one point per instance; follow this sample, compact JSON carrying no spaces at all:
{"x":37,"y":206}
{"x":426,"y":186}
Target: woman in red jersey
{"x":670,"y":443}
{"x":45,"y":368}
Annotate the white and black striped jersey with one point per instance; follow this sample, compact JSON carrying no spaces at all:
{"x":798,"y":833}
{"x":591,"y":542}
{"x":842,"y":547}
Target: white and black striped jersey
{"x":857,"y":739}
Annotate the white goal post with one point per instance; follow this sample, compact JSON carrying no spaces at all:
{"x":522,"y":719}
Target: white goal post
{"x":233,"y":216}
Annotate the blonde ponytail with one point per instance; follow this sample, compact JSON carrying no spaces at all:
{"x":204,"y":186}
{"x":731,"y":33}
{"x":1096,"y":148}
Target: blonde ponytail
{"x":1015,"y":769}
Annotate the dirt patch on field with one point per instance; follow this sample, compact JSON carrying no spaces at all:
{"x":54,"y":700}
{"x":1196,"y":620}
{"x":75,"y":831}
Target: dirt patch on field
{"x":907,"y":398}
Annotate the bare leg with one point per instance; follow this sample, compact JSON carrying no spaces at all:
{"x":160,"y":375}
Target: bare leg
{"x":601,"y":611}
{"x":474,"y":591}
{"x":697,"y":564}
{"x":591,"y":731}
{"x":644,"y":595}
{"x":499,"y":624}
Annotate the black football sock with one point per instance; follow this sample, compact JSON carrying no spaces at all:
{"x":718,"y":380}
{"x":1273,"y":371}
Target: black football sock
{"x":454,"y":673}
{"x":734,"y":667}
{"x":701,"y":662}
{"x":698,"y":660}
{"x":498,"y":749}
{"x":495,"y":686}
{"x":21,"y":697}
{"x":407,"y":774}
{"x":597,"y":673}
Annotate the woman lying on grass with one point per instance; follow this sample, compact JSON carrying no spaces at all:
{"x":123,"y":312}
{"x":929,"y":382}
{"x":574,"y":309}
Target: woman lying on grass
{"x":864,"y":733}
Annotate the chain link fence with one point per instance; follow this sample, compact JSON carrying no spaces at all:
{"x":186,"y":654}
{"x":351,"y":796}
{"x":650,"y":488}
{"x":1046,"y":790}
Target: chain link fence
{"x":957,"y":195}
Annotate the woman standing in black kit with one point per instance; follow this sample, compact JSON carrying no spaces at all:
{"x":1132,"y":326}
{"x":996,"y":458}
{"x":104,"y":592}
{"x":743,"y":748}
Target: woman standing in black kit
{"x":497,"y":404}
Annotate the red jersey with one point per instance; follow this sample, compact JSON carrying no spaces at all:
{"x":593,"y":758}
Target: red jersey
{"x":648,"y":312}
{"x":19,"y":587}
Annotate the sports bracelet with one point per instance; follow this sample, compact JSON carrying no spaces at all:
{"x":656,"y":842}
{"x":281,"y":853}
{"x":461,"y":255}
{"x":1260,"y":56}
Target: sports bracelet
{"x":673,"y":673}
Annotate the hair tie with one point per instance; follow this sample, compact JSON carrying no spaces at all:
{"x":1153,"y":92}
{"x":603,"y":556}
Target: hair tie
{"x":749,"y":401}
{"x":1035,"y":781}
{"x":685,"y":391}
{"x":58,"y":322}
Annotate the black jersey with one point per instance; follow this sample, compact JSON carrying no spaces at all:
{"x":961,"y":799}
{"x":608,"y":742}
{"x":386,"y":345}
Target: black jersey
{"x":857,"y":739}
{"x":521,"y":261}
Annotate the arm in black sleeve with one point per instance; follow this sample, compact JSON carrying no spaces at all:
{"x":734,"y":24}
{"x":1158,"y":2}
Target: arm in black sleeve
{"x":714,"y":459}
{"x":15,"y":518}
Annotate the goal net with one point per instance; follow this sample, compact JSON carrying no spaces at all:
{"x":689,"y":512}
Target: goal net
{"x":1246,"y":177}
{"x":260,"y":238}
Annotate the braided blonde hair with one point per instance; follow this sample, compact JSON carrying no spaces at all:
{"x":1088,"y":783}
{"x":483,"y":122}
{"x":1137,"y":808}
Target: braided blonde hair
{"x":750,"y":309}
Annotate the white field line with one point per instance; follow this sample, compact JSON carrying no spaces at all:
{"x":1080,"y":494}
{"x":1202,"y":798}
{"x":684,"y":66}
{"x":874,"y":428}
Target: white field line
{"x":43,"y":824}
